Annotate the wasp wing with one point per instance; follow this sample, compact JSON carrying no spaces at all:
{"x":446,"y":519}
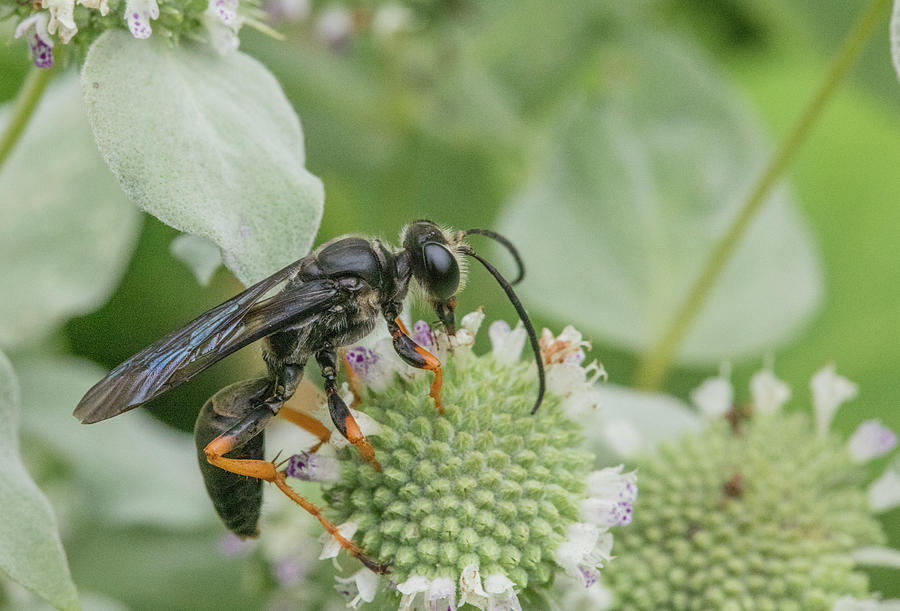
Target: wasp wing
{"x":209,"y":338}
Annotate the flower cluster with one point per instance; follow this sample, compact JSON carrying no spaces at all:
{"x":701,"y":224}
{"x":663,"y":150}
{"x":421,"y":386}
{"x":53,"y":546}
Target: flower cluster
{"x":480,"y":505}
{"x":762,"y":510}
{"x":50,"y":21}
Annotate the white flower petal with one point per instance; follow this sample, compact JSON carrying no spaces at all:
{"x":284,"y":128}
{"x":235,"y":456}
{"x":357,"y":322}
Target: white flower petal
{"x":100,"y":5}
{"x":506,"y":343}
{"x":334,"y":26}
{"x":410,"y":591}
{"x":829,"y":390}
{"x":359,"y":588}
{"x":391,"y":19}
{"x":884,"y":493}
{"x":470,"y":588}
{"x":871,"y":440}
{"x":34,"y":29}
{"x":62,"y":18}
{"x":714,"y":397}
{"x":441,"y":595}
{"x":313,"y":467}
{"x":501,"y":593}
{"x":222,"y":24}
{"x":472,"y":321}
{"x":877,"y":556}
{"x":138,"y":14}
{"x":768,"y":392}
{"x":330,"y":546}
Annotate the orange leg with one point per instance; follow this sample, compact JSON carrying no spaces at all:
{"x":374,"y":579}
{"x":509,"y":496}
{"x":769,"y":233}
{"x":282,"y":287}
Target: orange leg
{"x":264,"y":470}
{"x":417,"y":356}
{"x":307,"y":423}
{"x":433,"y":364}
{"x":340,"y":413}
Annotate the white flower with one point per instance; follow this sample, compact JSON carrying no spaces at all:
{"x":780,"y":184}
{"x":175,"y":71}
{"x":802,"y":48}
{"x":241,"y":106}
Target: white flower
{"x":506,"y":343}
{"x":334,"y":26}
{"x":884,"y":493}
{"x":372,"y":367}
{"x":768,"y":392}
{"x":359,"y":588}
{"x":313,"y":467}
{"x":610,"y":497}
{"x":100,"y":5}
{"x":331,"y":546}
{"x":501,"y":593}
{"x":288,"y":10}
{"x":829,"y":390}
{"x":587,"y":549}
{"x":34,"y":29}
{"x":410,"y":591}
{"x":62,"y":18}
{"x":497,"y":594}
{"x":715,"y":396}
{"x":222,"y":24}
{"x":470,"y":588}
{"x":871,"y":440}
{"x":566,"y":377}
{"x":138,"y":14}
{"x":390,"y":19}
{"x":441,"y":595}
{"x":848,"y":603}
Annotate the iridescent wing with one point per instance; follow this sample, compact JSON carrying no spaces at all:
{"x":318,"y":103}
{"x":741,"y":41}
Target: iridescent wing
{"x":207,"y":339}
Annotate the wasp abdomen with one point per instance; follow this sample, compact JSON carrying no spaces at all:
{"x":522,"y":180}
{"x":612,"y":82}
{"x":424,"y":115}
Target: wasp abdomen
{"x":236,"y":498}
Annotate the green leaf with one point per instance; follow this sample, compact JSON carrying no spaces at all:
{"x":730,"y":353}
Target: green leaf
{"x":641,"y":175}
{"x":67,"y":231}
{"x":131,"y":470}
{"x":632,"y":422}
{"x":208,"y":144}
{"x":201,"y":256}
{"x":30,"y":550}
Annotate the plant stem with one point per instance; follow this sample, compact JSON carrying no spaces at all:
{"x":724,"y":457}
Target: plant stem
{"x":656,"y":362}
{"x":26,"y":102}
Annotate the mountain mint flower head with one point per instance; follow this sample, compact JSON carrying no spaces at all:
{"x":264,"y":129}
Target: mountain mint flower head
{"x":759,"y":511}
{"x":80,"y":22}
{"x":483,"y":504}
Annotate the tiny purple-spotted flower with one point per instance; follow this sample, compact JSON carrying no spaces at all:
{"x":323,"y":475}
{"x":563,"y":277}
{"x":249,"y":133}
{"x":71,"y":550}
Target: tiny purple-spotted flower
{"x":871,"y":440}
{"x":34,"y":29}
{"x":422,"y":334}
{"x":138,"y":14}
{"x":362,"y":360}
{"x":313,"y":467}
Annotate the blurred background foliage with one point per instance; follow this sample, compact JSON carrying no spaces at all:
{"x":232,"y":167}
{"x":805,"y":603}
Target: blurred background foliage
{"x":461,"y":122}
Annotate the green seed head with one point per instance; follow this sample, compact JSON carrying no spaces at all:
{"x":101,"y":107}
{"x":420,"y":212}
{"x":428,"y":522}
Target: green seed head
{"x":486,"y":500}
{"x":762,"y":514}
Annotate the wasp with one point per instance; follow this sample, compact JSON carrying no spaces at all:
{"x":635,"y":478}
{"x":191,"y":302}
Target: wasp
{"x":328,"y":299}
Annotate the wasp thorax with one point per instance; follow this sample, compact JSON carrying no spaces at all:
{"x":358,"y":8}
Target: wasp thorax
{"x":486,"y":500}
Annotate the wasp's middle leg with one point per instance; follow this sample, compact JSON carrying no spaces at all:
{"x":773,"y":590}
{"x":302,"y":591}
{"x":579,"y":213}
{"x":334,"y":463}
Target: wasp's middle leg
{"x":340,"y":413}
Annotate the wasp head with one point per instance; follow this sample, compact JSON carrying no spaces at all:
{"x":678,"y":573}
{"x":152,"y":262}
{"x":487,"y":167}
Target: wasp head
{"x":438,"y":266}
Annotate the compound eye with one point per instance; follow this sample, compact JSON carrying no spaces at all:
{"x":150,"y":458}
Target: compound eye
{"x":441,"y":270}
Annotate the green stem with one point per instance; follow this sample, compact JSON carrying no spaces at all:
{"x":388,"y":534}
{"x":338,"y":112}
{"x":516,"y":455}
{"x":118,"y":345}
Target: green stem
{"x":26,"y":102}
{"x":656,"y":362}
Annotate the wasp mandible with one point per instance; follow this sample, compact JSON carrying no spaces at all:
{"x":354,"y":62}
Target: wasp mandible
{"x":328,"y":299}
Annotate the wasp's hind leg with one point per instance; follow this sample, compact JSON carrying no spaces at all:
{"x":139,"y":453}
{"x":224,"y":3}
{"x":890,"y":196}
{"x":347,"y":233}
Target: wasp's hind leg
{"x":229,"y":438}
{"x":340,"y":413}
{"x":416,"y":356}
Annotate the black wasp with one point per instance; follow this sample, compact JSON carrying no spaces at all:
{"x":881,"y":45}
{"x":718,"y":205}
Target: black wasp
{"x":328,"y":299}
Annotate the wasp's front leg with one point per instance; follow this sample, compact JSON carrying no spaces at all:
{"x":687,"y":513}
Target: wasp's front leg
{"x":340,"y":413}
{"x":416,"y":356}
